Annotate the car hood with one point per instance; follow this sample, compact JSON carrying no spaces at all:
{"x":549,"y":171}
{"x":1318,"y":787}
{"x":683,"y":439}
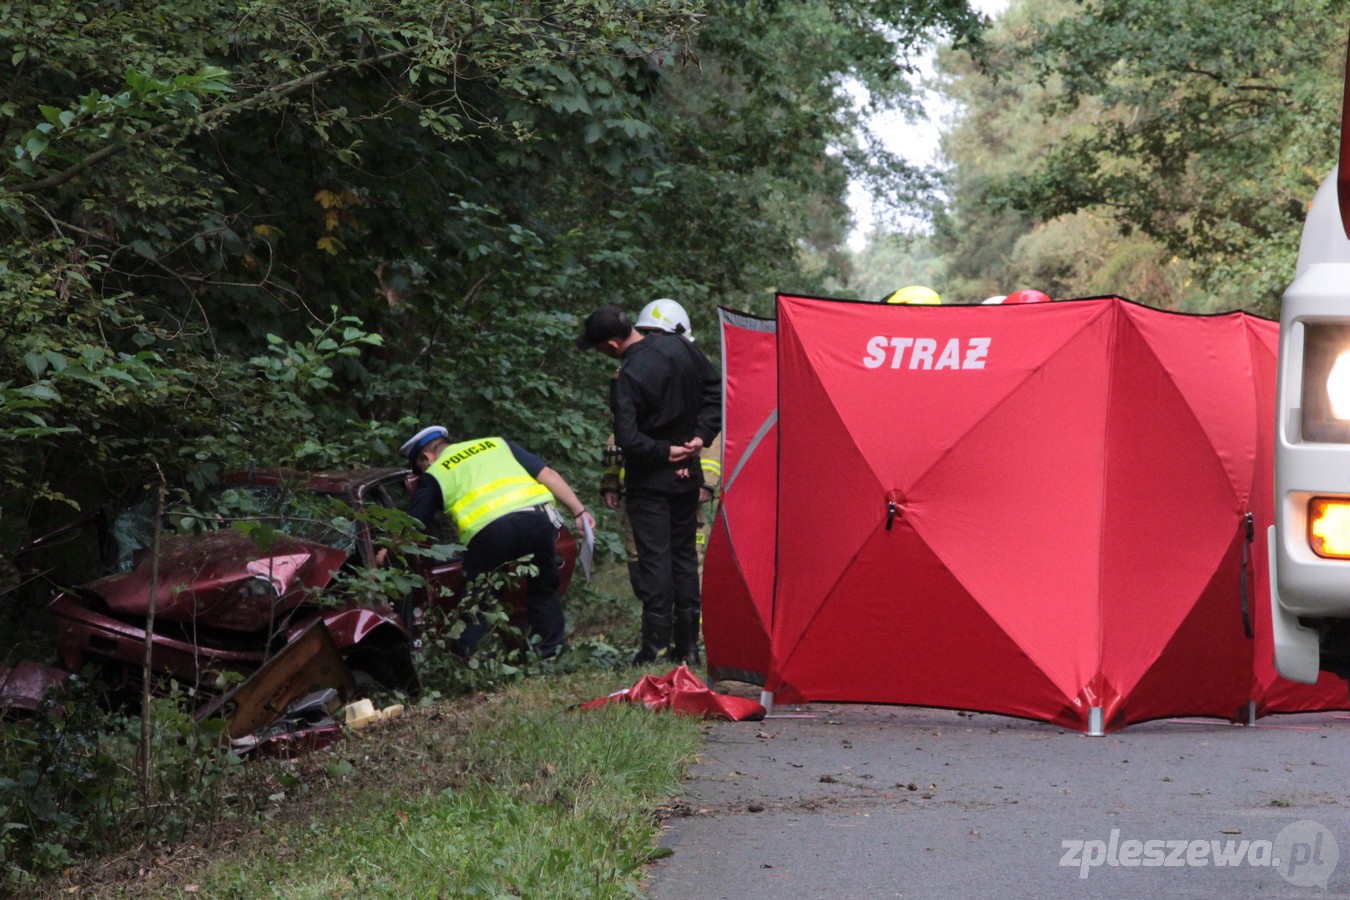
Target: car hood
{"x":222,"y":579}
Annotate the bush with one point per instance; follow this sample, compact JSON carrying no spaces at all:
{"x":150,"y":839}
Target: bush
{"x":502,"y":656}
{"x":70,"y":780}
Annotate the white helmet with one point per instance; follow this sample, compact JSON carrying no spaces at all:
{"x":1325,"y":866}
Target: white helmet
{"x":664,"y":315}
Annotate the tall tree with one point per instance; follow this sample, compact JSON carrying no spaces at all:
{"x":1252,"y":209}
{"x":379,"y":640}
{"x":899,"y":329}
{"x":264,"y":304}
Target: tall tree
{"x":1202,"y":126}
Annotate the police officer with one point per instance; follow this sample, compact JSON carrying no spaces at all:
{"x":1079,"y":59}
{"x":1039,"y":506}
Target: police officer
{"x":500,"y":497}
{"x":667,"y":405}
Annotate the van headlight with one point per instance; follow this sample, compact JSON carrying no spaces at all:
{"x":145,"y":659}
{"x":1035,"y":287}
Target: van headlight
{"x":1326,"y":382}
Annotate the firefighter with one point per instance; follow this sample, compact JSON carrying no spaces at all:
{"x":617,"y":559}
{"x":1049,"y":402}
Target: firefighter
{"x":660,"y":315}
{"x":915,"y":294}
{"x":611,"y":489}
{"x":1026,"y":296}
{"x":667,"y":316}
{"x":667,"y":406}
{"x":707,"y":498}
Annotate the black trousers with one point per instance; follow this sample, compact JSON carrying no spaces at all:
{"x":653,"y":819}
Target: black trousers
{"x":527,"y":533}
{"x":665,"y":527}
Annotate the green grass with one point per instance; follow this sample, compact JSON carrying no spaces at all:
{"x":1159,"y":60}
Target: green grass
{"x":514,"y":794}
{"x":605,"y":608}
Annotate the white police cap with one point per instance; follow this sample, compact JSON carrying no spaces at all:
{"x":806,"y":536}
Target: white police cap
{"x":415,"y":443}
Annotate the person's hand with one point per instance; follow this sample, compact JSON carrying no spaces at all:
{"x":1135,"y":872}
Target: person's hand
{"x":704,"y":495}
{"x":583,"y":519}
{"x":382,"y":557}
{"x":611,"y":499}
{"x":688,"y":450}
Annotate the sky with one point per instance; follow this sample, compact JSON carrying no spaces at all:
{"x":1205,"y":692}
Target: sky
{"x":917,"y":141}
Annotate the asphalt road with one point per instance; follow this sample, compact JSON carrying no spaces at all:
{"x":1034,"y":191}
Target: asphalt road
{"x":874,"y":801}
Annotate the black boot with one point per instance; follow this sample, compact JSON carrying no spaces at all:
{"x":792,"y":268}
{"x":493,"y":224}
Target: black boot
{"x":679,"y":639}
{"x":655,"y":637}
{"x":647,"y":653}
{"x":692,"y":657}
{"x":684,"y":648}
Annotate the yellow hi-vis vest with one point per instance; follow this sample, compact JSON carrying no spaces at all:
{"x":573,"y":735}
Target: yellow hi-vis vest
{"x":481,"y":481}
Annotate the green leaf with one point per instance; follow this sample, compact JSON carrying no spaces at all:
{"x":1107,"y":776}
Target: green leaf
{"x":36,"y":363}
{"x":119,"y":375}
{"x":43,"y":390}
{"x":214,"y":727}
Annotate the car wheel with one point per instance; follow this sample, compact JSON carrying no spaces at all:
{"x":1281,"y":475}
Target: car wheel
{"x":383,"y":666}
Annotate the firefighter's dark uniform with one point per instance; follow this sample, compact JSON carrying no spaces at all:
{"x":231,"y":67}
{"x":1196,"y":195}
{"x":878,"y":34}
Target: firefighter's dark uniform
{"x":666,"y":393}
{"x":488,"y":487}
{"x":611,"y":482}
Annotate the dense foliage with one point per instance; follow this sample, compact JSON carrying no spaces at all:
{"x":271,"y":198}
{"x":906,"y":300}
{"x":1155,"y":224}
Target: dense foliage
{"x":65,"y":788}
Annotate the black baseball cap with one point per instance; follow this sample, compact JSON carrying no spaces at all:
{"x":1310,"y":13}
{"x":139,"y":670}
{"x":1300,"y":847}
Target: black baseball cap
{"x":606,"y":323}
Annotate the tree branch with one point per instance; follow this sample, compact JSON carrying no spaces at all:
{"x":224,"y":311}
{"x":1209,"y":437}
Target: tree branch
{"x":210,"y":117}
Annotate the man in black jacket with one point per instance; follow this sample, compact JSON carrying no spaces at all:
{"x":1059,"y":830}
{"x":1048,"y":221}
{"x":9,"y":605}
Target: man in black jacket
{"x":667,"y":405}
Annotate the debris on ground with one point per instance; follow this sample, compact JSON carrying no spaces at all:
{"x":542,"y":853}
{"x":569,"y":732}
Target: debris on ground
{"x":683,"y":693}
{"x":24,"y":684}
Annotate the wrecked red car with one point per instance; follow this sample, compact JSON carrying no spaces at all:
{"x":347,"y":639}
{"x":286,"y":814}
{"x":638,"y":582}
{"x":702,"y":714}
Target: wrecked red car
{"x":226,"y":601}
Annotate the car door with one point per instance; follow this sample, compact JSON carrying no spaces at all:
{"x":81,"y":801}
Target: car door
{"x":444,"y":576}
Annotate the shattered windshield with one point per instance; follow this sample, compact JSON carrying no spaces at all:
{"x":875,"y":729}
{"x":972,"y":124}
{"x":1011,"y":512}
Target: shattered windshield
{"x":321,"y":518}
{"x":132,"y":529}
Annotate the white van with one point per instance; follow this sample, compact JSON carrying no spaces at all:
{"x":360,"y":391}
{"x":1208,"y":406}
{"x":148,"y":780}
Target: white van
{"x":1310,"y":540}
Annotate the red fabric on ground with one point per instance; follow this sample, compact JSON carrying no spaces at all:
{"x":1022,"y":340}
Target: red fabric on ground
{"x":683,"y":693}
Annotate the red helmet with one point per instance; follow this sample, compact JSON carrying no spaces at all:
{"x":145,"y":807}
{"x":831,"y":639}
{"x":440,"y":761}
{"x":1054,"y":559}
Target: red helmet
{"x":1026,"y":297}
